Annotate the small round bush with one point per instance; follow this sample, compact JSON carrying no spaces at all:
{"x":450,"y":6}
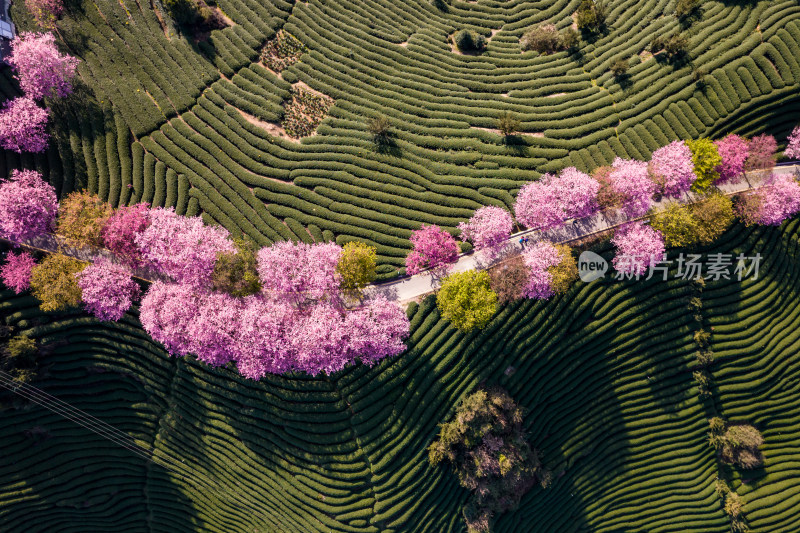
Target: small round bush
{"x":469,"y":41}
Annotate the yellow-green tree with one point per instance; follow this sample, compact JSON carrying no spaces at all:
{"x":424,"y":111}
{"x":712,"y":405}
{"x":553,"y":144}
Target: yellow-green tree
{"x":714,"y":216}
{"x":81,"y":217}
{"x":467,"y":300}
{"x":565,"y":272}
{"x":54,"y":284}
{"x":706,"y":159}
{"x":677,"y":224}
{"x":236,"y":272}
{"x":356,"y":266}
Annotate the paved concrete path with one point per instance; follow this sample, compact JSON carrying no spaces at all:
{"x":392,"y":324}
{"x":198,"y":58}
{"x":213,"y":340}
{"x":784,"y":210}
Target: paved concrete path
{"x":411,"y":288}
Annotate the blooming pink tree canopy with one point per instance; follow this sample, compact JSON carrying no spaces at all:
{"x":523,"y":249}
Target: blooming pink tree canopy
{"x":107,"y":289}
{"x":16,"y":272}
{"x":28,"y":205}
{"x":733,"y":150}
{"x":182,"y":248}
{"x":165,"y":313}
{"x":773,"y":203}
{"x":264,"y":335}
{"x":761,"y":153}
{"x":45,"y":12}
{"x":213,"y":328}
{"x":22,"y":126}
{"x":120,"y":231}
{"x":631,"y":180}
{"x":299,"y":271}
{"x":553,"y":199}
{"x":489,"y":227}
{"x":638,"y":247}
{"x":672,"y":169}
{"x":434,"y":248}
{"x":264,"y":344}
{"x":793,"y":144}
{"x":541,"y":256}
{"x":42,"y":71}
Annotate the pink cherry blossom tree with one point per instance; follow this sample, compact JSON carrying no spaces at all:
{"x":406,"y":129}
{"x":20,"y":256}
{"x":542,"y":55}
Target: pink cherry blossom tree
{"x":28,"y":205}
{"x":672,"y":169}
{"x":213,"y":328}
{"x":182,"y":248}
{"x":16,"y":272}
{"x":263,"y":341}
{"x":376,"y":331}
{"x":638,"y":248}
{"x":552,"y":200}
{"x":45,"y":12}
{"x":489,"y":227}
{"x":299,"y":272}
{"x":120,"y":231}
{"x":434,"y":248}
{"x":166,"y":311}
{"x":761,"y":153}
{"x":107,"y":289}
{"x":42,"y":71}
{"x":733,"y":150}
{"x":772,"y":203}
{"x":539,"y":258}
{"x":319,"y":340}
{"x":631,"y":180}
{"x":22,"y":126}
{"x":793,"y":144}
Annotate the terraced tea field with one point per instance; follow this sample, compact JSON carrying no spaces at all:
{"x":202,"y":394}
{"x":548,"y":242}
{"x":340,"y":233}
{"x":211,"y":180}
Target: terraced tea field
{"x":602,"y":372}
{"x":166,"y":120}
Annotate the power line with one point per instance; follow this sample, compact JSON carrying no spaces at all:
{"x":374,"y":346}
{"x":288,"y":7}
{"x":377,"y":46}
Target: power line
{"x":118,"y":437}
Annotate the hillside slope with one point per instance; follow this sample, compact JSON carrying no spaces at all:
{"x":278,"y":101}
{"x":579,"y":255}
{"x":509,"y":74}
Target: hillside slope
{"x":603,"y":374}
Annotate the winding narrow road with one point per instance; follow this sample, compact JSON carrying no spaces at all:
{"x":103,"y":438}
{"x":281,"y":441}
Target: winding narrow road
{"x":408,"y":288}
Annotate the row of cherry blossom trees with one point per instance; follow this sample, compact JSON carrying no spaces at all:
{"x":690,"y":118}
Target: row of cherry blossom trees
{"x":305,"y":313}
{"x":42,"y":72}
{"x":629,"y":185}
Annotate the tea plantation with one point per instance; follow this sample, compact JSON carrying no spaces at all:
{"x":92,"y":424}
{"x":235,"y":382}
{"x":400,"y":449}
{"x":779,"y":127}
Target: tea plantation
{"x":164,"y":118}
{"x":603,"y":373}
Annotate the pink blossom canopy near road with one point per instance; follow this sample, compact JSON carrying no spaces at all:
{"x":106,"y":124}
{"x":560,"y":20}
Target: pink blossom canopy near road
{"x":107,"y":289}
{"x":264,"y":335}
{"x":541,"y":256}
{"x":41,"y":69}
{"x":551,"y":200}
{"x":793,"y":144}
{"x":777,"y":200}
{"x":638,"y":248}
{"x":434,"y":248}
{"x":733,"y":150}
{"x":672,"y":169}
{"x":120,"y":231}
{"x":299,"y":271}
{"x":22,"y":126}
{"x":489,"y":227}
{"x":28,"y":206}
{"x":631,"y":179}
{"x":16,"y":272}
{"x":182,"y":248}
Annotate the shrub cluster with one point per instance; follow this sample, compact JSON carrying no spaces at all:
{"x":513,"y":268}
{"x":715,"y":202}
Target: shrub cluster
{"x":487,"y":449}
{"x":282,"y":51}
{"x":469,"y":41}
{"x":304,"y":112}
{"x":736,"y":443}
